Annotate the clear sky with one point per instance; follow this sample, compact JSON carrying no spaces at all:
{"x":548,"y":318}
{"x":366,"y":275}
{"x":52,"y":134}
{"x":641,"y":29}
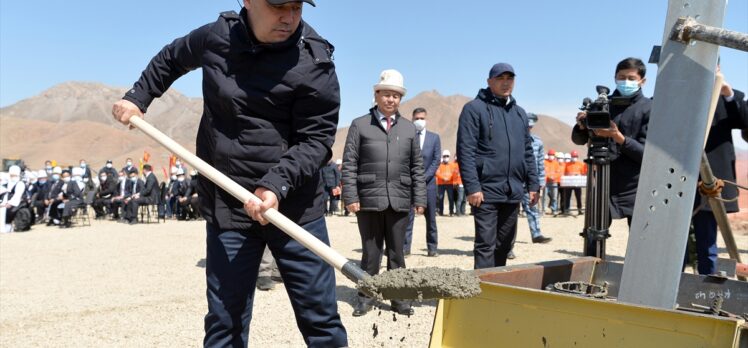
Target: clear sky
{"x":559,"y":49}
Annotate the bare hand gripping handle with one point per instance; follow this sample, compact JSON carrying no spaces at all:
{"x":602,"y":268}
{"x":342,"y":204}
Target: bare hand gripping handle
{"x":332,"y":257}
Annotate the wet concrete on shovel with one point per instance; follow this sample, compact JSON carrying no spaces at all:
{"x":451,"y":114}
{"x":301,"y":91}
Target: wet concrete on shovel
{"x":422,"y":283}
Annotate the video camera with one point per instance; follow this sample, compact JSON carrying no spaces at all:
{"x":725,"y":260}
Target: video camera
{"x":598,"y":111}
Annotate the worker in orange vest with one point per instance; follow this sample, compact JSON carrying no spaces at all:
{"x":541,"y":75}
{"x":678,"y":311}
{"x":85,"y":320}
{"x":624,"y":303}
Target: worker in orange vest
{"x":460,"y":200}
{"x":554,"y":169}
{"x":445,"y":183}
{"x":575,"y":167}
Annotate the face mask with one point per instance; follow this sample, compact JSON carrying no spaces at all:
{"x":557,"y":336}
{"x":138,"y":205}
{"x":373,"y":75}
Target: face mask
{"x":85,"y":179}
{"x":55,"y":177}
{"x":121,"y":178}
{"x":180,"y":179}
{"x":102,"y":178}
{"x":129,"y":164}
{"x":109,"y":165}
{"x":134,"y":179}
{"x":42,"y":181}
{"x":445,"y":160}
{"x":178,"y":164}
{"x":83,"y":165}
{"x":420,"y":124}
{"x":48,"y":168}
{"x":627,"y":88}
{"x":66,"y":180}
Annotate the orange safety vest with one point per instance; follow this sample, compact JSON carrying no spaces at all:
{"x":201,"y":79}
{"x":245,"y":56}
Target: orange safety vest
{"x":553,"y":172}
{"x":445,"y":172}
{"x":457,"y":178}
{"x":575,"y":168}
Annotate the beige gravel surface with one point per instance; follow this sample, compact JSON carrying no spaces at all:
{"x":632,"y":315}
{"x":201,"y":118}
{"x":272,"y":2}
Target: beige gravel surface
{"x":144,"y":286}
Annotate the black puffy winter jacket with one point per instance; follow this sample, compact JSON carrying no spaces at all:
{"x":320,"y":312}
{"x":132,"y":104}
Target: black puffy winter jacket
{"x":270,"y":113}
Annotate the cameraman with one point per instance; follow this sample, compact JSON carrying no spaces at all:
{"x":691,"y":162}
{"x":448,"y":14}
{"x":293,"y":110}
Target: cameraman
{"x":629,"y":113}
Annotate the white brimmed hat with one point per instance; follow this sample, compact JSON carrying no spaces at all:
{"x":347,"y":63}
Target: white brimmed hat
{"x":391,"y":80}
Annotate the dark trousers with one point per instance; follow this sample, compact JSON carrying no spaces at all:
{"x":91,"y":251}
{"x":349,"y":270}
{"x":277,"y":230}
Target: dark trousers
{"x":131,"y":209}
{"x":432,"y":236}
{"x":70,"y":206}
{"x":449,"y":189}
{"x":382,"y":227}
{"x":101,"y":205}
{"x":495,"y":228}
{"x":566,"y":198}
{"x":705,"y":228}
{"x":232,"y":263}
{"x":115,"y":207}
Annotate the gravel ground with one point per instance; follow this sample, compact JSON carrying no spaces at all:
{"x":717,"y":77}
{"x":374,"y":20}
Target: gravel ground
{"x":143,"y":286}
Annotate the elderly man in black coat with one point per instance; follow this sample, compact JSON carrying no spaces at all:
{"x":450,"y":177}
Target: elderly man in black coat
{"x":382,"y":179}
{"x":731,"y":114}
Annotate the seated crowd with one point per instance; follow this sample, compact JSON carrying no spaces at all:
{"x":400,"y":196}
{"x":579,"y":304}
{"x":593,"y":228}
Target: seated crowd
{"x":55,"y":195}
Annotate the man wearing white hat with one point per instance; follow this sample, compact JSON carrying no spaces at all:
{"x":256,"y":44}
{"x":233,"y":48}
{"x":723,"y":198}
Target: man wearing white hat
{"x":15,"y":193}
{"x":382,"y":180}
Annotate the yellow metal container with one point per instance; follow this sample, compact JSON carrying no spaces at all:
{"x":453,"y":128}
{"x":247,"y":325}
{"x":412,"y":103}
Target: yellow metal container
{"x":514,"y":316}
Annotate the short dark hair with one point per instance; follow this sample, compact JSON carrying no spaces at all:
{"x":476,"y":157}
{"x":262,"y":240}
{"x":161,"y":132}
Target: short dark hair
{"x":133,"y":170}
{"x":632,"y":63}
{"x":418,"y":111}
{"x":147,"y":167}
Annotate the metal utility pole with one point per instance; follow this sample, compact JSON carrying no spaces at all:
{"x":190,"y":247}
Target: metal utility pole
{"x":672,"y":156}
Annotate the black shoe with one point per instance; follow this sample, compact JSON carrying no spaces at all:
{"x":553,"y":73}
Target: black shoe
{"x":132,"y":222}
{"x":511,"y":255}
{"x":363,"y":306}
{"x":541,"y":239}
{"x":432,"y":253}
{"x":403,"y":308}
{"x":265,"y":283}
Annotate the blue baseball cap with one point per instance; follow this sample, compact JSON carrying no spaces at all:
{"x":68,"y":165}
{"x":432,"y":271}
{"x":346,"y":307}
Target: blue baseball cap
{"x":500,"y":68}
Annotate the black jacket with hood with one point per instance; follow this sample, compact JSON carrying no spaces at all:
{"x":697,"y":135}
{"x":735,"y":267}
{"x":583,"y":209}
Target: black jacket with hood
{"x":494,"y":149}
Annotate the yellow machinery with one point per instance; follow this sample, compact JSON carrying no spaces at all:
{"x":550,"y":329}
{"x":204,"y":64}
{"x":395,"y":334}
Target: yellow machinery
{"x":516,"y":310}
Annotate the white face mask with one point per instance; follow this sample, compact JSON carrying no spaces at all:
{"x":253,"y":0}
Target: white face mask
{"x":173,"y":177}
{"x":420,"y":124}
{"x":56,"y":177}
{"x":121,"y":178}
{"x":129,"y":164}
{"x":102,"y":178}
{"x":109,"y":165}
{"x":66,"y":179}
{"x":180,"y":179}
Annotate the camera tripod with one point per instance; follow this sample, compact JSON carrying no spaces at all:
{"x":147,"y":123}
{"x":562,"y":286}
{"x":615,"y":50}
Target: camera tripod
{"x":597,"y":205}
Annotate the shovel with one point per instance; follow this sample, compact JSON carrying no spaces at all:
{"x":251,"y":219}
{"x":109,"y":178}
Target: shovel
{"x":397,"y":284}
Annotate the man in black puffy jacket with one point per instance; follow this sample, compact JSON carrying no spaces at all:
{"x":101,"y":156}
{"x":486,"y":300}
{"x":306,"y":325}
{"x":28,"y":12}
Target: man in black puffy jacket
{"x":497,"y":164}
{"x":271,"y":103}
{"x":382,"y":180}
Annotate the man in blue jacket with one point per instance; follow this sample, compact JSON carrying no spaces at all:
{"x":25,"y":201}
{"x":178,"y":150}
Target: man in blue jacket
{"x":497,"y":164}
{"x":431,"y":147}
{"x":271,"y":105}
